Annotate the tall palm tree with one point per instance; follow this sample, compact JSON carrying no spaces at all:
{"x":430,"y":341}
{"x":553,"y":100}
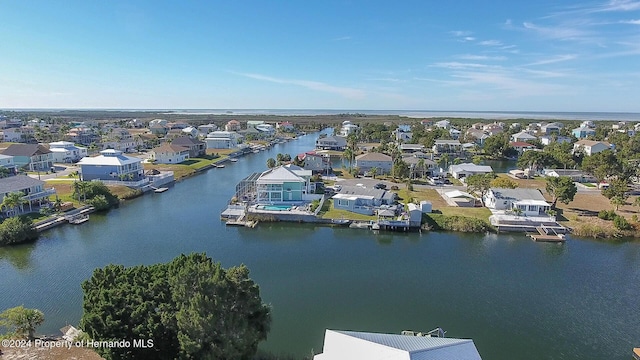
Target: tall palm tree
{"x":13,"y":201}
{"x":348,"y":154}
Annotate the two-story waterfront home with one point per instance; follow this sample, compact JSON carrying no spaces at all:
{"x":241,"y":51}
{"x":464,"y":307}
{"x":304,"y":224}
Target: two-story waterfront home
{"x":331,"y":143}
{"x":446,"y":146}
{"x":6,"y":161}
{"x":33,"y":189}
{"x":283,"y":184}
{"x":233,"y":125}
{"x":523,"y":136}
{"x":590,"y":147}
{"x":33,"y":157}
{"x":169,"y":154}
{"x":221,"y":140}
{"x":380,"y":161}
{"x":420,"y":166}
{"x":111,"y":165}
{"x":316,"y":162}
{"x":195,"y":146}
{"x":66,"y":152}
{"x":348,"y":128}
{"x":583,"y":132}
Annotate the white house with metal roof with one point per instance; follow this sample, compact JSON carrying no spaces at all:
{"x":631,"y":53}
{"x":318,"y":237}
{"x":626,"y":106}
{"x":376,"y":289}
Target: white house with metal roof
{"x":463,"y":170}
{"x":111,"y":165}
{"x":380,"y":161}
{"x":66,"y":151}
{"x":353,"y":345}
{"x":529,"y":202}
{"x":362,"y":200}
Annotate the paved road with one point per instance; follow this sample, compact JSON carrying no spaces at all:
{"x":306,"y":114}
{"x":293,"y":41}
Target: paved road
{"x":62,"y":171}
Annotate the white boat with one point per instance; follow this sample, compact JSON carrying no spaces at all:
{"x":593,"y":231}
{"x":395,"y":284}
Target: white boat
{"x":233,"y":160}
{"x":78,"y":219}
{"x":160,"y":190}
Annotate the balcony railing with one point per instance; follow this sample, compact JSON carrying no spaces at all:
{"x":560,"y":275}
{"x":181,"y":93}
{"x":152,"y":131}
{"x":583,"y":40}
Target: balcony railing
{"x":40,"y":195}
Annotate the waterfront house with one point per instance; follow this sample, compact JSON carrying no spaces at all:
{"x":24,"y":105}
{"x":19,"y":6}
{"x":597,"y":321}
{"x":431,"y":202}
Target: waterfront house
{"x":523,"y":136}
{"x":529,"y":202}
{"x":402,"y":136}
{"x":169,"y":154}
{"x":551,"y":128}
{"x":478,"y":136}
{"x":447,"y":146}
{"x":13,"y":135}
{"x":205,"y":129}
{"x":233,"y":125}
{"x":82,"y":135}
{"x":420,"y":166}
{"x":368,"y":161}
{"x":521,"y":147}
{"x":546,"y":140}
{"x":575,"y":175}
{"x":66,"y":152}
{"x":159,"y":129}
{"x":6,"y":161}
{"x":443,"y":124}
{"x":221,"y":140}
{"x":32,"y":157}
{"x":362,"y":200}
{"x":411,"y":148}
{"x":336,"y":143}
{"x":254,"y":123}
{"x":340,"y":345}
{"x":348,"y":128}
{"x":590,"y":147}
{"x":460,"y":171}
{"x":317,"y":163}
{"x":266,"y":129}
{"x":583,"y":132}
{"x":196,"y":147}
{"x":111,"y":165}
{"x":455,"y":133}
{"x":33,"y":189}
{"x":122,"y":140}
{"x":285,"y":126}
{"x":283,"y":184}
{"x":492,"y":129}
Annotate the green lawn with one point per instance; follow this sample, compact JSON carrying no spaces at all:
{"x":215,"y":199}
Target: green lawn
{"x":329,"y":212}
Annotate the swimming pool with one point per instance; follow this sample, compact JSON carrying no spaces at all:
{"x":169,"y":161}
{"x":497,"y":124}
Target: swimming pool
{"x":275,"y":207}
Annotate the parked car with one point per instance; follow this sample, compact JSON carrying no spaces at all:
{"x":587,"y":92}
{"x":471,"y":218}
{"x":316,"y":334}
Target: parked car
{"x":380,"y":186}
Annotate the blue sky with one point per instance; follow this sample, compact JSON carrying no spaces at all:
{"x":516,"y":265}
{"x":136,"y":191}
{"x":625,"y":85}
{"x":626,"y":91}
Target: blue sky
{"x":371,"y":55}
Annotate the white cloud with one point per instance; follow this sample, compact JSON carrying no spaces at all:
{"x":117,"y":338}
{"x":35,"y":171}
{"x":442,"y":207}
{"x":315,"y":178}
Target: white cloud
{"x":491,"y":43}
{"x":459,"y":65}
{"x":346,"y":92}
{"x":556,"y":32}
{"x":342,"y":38}
{"x":460,"y":33}
{"x":481,"y":57}
{"x":632,"y":22}
{"x":621,"y":5}
{"x":552,"y":60}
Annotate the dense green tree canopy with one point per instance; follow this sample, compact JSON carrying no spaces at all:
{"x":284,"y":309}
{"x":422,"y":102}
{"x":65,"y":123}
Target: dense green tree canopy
{"x":21,"y":321}
{"x":561,"y":188}
{"x":192,"y":308}
{"x":480,"y":183}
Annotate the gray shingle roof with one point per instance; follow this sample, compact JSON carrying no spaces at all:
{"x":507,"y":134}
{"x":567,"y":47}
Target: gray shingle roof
{"x":25,"y":150}
{"x":17,"y":183}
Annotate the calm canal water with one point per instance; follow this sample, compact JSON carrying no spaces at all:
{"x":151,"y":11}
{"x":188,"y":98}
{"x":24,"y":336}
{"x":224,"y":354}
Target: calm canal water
{"x":516,"y":299}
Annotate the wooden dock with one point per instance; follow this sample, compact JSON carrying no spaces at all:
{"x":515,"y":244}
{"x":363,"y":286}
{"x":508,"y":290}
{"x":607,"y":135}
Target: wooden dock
{"x":636,"y":353}
{"x":546,"y":234}
{"x":245,"y":223}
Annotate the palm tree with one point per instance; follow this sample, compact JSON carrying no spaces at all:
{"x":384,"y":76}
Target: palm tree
{"x":13,"y":201}
{"x":421,"y":165}
{"x":348,"y":154}
{"x":373,"y":171}
{"x":271,"y":163}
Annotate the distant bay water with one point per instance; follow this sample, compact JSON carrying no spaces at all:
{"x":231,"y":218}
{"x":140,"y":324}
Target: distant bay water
{"x":493,"y":115}
{"x":497,"y":115}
